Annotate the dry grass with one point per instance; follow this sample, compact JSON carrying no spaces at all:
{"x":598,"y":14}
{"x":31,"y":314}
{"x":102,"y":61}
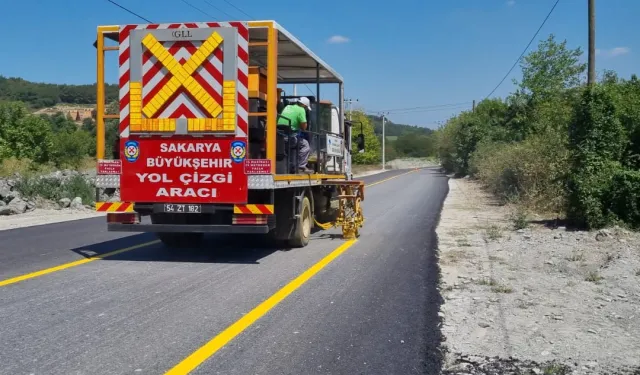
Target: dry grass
{"x":23,"y":167}
{"x":493,"y":233}
{"x":593,"y":276}
{"x":502,"y":289}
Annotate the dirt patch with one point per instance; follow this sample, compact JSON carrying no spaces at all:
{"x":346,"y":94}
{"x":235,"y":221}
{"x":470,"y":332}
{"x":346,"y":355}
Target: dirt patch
{"x":539,"y":299}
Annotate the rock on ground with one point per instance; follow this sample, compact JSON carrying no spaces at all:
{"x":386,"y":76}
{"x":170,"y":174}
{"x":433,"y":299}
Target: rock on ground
{"x":18,"y":212}
{"x":543,"y":300}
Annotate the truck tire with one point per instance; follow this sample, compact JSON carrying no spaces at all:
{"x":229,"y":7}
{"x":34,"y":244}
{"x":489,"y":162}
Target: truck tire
{"x":180,"y":240}
{"x":303,"y":225}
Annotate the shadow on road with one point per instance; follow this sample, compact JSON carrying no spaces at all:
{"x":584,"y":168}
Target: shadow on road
{"x":215,"y":248}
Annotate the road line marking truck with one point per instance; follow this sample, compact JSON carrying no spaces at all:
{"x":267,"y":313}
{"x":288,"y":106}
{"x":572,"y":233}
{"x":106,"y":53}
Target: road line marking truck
{"x":199,"y":149}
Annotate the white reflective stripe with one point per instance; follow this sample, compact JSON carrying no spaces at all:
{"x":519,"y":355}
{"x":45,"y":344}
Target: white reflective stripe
{"x":124,"y":90}
{"x":181,"y":99}
{"x":217,"y":86}
{"x":124,"y":112}
{"x":153,"y":82}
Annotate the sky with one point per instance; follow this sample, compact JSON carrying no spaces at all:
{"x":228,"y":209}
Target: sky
{"x":435,"y":56}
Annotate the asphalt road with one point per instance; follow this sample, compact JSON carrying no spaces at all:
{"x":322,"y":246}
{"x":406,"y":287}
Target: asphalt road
{"x":372,"y":310}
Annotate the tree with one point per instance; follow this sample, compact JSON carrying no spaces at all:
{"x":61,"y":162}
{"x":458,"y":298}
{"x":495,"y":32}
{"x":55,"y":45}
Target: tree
{"x":10,"y":114}
{"x":550,"y":69}
{"x":372,"y":151}
{"x":30,"y":138}
{"x":414,"y":146}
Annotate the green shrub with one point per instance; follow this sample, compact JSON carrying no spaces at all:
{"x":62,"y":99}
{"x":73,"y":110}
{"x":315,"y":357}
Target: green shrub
{"x":624,"y":197}
{"x":71,"y":148}
{"x":589,"y":191}
{"x":54,"y":189}
{"x":531,"y":173}
{"x":597,"y":141}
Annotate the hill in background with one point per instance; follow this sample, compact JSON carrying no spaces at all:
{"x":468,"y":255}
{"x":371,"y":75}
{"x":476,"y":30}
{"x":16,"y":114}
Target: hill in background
{"x":54,"y":97}
{"x":43,"y":95}
{"x":393,"y":130}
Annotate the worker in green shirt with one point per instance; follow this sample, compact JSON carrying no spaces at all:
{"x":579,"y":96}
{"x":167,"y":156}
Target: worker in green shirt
{"x":295,"y":115}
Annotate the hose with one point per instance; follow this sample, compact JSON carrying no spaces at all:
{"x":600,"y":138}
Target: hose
{"x":324,"y":226}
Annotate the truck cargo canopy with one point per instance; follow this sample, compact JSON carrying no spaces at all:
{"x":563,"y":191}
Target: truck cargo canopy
{"x":296,"y":62}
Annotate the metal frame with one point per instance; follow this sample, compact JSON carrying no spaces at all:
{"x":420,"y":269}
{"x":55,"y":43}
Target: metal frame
{"x":110,"y":32}
{"x":285,"y":57}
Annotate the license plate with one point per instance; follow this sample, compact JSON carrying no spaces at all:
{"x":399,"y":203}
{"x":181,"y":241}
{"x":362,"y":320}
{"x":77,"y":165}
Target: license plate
{"x":182,"y":208}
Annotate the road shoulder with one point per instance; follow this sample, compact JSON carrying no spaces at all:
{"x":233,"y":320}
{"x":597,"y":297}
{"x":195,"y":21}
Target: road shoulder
{"x":538,"y":299}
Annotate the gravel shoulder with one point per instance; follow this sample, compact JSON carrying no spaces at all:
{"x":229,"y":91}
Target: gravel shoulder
{"x":537,"y":300}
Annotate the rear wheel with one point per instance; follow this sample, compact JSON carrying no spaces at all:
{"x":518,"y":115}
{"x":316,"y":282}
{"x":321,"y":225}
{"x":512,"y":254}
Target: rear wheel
{"x":303,"y":225}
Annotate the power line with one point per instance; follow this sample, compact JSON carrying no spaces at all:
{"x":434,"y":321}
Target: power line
{"x":216,"y":8}
{"x":253,"y":18}
{"x":198,"y":9}
{"x":420,"y":110}
{"x":431,"y":110}
{"x":128,"y":10}
{"x":238,"y":9}
{"x":443,"y":106}
{"x":525,"y":49}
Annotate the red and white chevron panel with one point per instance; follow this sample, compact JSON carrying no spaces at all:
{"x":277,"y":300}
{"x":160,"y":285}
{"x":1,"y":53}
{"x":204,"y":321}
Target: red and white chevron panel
{"x":209,"y":75}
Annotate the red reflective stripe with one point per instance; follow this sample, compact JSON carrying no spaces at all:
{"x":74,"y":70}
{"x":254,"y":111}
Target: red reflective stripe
{"x":243,"y":208}
{"x":124,"y":206}
{"x":106,"y":206}
{"x":263,"y":208}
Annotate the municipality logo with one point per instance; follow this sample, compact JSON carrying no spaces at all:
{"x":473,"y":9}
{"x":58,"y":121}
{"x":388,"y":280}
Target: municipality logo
{"x":238,"y":151}
{"x":131,"y":151}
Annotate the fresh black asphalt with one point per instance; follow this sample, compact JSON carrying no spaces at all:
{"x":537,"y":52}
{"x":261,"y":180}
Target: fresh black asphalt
{"x":373,"y":310}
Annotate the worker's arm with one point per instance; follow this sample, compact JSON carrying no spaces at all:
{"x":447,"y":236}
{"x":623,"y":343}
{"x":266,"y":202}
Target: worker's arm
{"x":303,"y":119}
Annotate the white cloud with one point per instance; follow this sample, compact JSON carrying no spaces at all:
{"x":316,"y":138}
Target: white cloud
{"x":337,"y":39}
{"x":511,"y":3}
{"x":613,"y":52}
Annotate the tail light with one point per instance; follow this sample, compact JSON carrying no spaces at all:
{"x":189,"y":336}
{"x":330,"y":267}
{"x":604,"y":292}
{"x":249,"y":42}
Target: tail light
{"x":249,"y":219}
{"x":123,"y":218}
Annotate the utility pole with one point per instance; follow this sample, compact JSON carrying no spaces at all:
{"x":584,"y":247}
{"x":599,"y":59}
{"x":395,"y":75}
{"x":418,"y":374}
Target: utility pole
{"x":384,"y":139}
{"x":349,"y":103}
{"x":473,"y":107}
{"x":591,"y":78}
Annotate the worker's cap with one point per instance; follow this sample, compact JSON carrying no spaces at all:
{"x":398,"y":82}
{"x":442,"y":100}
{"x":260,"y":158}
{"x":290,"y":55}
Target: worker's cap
{"x":305,"y":101}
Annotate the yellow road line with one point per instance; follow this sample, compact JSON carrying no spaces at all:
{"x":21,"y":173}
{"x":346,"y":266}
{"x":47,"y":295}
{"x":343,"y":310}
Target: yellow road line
{"x":391,"y":178}
{"x":208,"y":349}
{"x":61,"y":267}
{"x":223,"y":338}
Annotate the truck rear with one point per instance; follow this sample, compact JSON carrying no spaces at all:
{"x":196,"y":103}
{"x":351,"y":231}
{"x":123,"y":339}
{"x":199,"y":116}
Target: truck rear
{"x":199,"y":151}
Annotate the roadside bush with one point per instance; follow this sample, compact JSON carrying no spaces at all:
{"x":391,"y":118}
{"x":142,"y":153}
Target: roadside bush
{"x":23,"y":167}
{"x":531,"y":173}
{"x":70,"y":149}
{"x":53,"y":188}
{"x":598,"y":141}
{"x":589,"y":192}
{"x":624,"y":197}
